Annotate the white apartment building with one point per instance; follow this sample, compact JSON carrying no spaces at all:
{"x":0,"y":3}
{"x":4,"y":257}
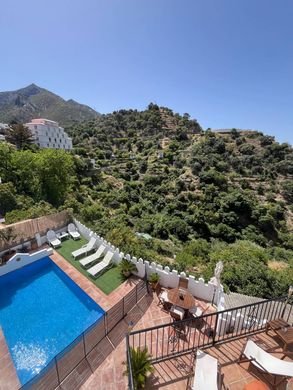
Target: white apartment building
{"x":48,"y":134}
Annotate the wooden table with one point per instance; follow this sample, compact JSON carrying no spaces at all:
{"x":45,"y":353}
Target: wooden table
{"x":283,"y":330}
{"x":63,"y":236}
{"x":276,"y":324}
{"x":286,"y":335}
{"x":186,"y":303}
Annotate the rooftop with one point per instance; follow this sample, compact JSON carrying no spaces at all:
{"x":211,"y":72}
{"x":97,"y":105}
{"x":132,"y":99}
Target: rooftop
{"x":43,"y":121}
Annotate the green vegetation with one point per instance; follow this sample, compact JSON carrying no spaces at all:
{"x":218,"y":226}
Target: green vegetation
{"x":200,"y":196}
{"x":19,"y":135}
{"x":107,"y":282}
{"x":141,"y":367}
{"x":68,"y":246}
{"x":126,"y":268}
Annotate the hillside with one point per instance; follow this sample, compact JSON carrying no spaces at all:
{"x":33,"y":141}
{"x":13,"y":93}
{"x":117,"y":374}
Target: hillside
{"x":33,"y":102}
{"x":202,"y":196}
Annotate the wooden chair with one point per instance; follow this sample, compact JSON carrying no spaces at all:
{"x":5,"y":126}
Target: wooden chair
{"x":183,"y":283}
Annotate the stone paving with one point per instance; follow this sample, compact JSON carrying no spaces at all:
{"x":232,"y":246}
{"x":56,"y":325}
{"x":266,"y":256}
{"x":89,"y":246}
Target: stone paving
{"x":8,"y":377}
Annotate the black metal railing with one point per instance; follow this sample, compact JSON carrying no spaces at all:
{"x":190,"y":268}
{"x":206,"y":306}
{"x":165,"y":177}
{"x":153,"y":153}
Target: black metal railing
{"x":175,"y":339}
{"x":80,"y":353}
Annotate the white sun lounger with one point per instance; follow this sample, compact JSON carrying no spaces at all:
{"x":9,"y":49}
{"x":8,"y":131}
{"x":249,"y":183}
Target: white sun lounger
{"x":96,"y":269}
{"x":266,"y":362}
{"x":206,"y":372}
{"x":95,"y":256}
{"x":52,"y":239}
{"x":73,"y":231}
{"x":85,"y":249}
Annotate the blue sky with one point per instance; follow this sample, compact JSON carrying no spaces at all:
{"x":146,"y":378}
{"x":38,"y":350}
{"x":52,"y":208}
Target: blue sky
{"x":229,"y":63}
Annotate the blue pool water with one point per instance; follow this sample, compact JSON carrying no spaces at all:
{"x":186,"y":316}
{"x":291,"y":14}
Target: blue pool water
{"x":42,"y":311}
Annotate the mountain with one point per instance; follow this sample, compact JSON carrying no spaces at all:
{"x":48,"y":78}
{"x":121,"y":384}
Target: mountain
{"x":32,"y":101}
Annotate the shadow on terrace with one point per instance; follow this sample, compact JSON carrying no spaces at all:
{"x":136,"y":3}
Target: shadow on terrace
{"x":221,"y":337}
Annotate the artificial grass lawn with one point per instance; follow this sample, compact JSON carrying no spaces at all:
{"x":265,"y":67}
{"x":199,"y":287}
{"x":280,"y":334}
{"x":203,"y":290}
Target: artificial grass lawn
{"x":107,"y":282}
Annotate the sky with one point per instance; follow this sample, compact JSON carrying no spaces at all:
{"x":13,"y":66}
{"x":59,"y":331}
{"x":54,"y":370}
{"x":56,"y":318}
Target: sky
{"x":228,"y":63}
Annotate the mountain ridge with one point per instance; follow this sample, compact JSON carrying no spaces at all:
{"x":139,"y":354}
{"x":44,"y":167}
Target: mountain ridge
{"x":32,"y":101}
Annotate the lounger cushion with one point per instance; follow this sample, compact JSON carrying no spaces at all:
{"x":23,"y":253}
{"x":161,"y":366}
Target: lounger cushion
{"x":85,"y":248}
{"x":206,"y":372}
{"x":267,"y":362}
{"x":102,"y":265}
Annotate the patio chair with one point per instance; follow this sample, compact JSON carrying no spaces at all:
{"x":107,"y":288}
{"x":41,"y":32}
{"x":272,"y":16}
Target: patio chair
{"x":163,"y":299}
{"x":177,"y":312}
{"x":73,"y":232}
{"x":266,"y":363}
{"x":207,"y":373}
{"x":102,"y":266}
{"x":52,"y":239}
{"x":183,"y":283}
{"x":176,"y":331}
{"x":85,"y":249}
{"x":198,"y":311}
{"x":94,"y":257}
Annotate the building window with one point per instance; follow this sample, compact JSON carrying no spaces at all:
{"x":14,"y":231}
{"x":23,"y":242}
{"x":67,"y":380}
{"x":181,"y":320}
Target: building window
{"x":50,"y":139}
{"x":35,"y":126}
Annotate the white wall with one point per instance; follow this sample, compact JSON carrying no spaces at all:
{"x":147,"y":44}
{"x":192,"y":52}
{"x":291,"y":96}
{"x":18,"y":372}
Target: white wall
{"x":19,"y":260}
{"x":169,"y":279}
{"x":27,"y":244}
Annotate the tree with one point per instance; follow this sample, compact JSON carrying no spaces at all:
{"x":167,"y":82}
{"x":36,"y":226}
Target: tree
{"x":7,"y":236}
{"x":287,"y":190}
{"x":6,"y":153}
{"x":54,"y":168}
{"x":245,"y":268}
{"x":7,"y":198}
{"x":19,"y":135}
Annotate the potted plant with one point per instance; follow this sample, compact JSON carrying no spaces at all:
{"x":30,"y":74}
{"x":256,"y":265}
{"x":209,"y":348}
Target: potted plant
{"x":127,"y":268}
{"x":154,"y":280}
{"x":141,"y":367}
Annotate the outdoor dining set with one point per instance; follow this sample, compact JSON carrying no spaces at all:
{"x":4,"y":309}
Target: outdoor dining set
{"x":180,"y":303}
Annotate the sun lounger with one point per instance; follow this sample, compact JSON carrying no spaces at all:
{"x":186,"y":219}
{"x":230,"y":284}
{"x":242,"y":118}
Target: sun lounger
{"x":94,"y":257}
{"x":206,"y":375}
{"x":73,"y":231}
{"x":52,"y":239}
{"x":102,"y":266}
{"x":85,"y":249}
{"x":267,"y":363}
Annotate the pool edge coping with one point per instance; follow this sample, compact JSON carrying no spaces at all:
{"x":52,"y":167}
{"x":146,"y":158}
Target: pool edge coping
{"x":103,"y":300}
{"x":8,"y":375}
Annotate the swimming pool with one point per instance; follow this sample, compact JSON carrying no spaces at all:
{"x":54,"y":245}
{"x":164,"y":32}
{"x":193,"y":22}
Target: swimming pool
{"x":42,"y":311}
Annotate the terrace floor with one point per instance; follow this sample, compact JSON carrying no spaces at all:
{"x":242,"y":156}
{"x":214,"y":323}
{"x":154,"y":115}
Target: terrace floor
{"x":174,"y":373}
